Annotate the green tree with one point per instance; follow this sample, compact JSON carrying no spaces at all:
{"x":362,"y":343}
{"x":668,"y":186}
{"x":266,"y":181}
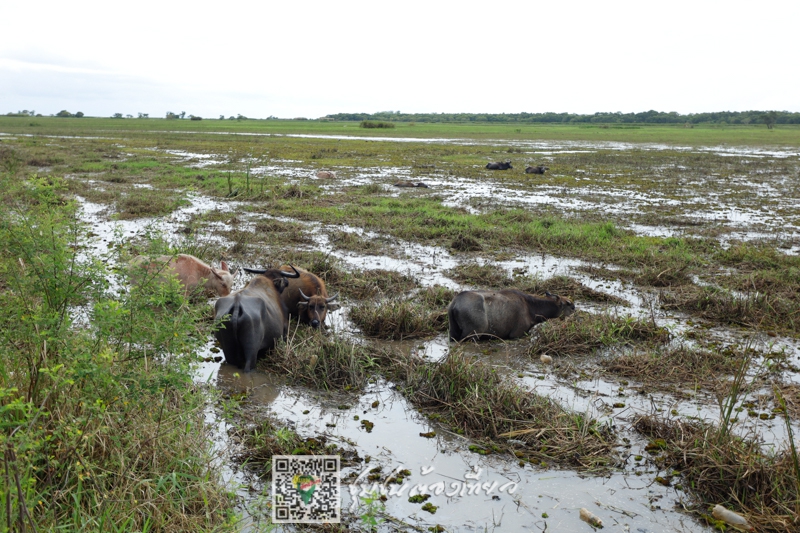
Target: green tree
{"x":769,"y":118}
{"x":63,"y":113}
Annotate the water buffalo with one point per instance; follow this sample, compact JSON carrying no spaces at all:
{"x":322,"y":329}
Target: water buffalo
{"x":536,"y":170}
{"x":499,"y":166}
{"x":325,"y":174}
{"x":410,"y":184}
{"x":253,"y":318}
{"x":191,"y":272}
{"x":506,"y":314}
{"x":307,"y":299}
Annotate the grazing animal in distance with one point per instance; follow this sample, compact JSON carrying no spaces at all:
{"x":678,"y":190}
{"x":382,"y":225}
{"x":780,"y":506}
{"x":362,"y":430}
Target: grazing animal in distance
{"x":536,"y":170}
{"x":499,"y":166}
{"x":307,"y":298}
{"x":410,"y":184}
{"x":190,"y":271}
{"x":254,"y":318}
{"x":505,"y":314}
{"x":325,"y":174}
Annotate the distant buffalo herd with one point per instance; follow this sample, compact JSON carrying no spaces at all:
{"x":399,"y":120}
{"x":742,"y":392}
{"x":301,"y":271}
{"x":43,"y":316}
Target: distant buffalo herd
{"x":506,"y":165}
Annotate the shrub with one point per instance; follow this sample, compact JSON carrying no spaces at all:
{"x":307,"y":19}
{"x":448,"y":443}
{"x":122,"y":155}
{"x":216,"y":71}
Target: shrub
{"x":376,"y":124}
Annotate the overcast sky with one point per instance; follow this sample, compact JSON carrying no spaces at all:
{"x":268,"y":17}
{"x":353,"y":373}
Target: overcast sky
{"x":309,"y":58}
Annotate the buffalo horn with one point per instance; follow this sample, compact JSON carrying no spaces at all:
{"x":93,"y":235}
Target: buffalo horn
{"x":306,"y":298}
{"x":289,"y":274}
{"x":332,"y":298}
{"x":254,"y":270}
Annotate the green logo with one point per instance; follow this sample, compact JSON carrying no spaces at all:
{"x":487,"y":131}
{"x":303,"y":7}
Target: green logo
{"x":305,"y":484}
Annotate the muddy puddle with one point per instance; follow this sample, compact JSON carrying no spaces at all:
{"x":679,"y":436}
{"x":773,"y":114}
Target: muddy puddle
{"x":471,"y":492}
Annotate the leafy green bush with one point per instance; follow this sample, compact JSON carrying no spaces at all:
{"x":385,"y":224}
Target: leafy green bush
{"x":101,"y":425}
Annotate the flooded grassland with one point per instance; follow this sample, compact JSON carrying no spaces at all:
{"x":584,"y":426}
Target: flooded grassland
{"x":674,"y":386}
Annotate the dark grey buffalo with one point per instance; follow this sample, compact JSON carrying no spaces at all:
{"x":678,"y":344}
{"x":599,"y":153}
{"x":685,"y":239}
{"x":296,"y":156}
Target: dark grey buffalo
{"x":307,"y":298}
{"x":410,"y":184}
{"x":253,"y":318}
{"x":506,"y":314}
{"x":536,"y":170}
{"x":499,"y":166}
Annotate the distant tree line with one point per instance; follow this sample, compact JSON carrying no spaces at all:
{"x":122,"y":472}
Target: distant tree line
{"x":769,"y":118}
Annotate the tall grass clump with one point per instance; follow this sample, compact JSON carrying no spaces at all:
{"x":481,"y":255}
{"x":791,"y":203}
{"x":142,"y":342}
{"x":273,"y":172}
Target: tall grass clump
{"x":583,"y":333}
{"x":420,"y":315}
{"x":763,"y":310}
{"x":718,"y":467}
{"x":101,"y":426}
{"x":475,"y":399}
{"x":329,"y":362}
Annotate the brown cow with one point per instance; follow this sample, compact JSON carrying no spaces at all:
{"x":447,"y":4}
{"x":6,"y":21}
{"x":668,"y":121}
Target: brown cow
{"x":253,"y":318}
{"x":325,"y":174}
{"x":191,"y":272}
{"x":307,"y":298}
{"x":506,"y":314}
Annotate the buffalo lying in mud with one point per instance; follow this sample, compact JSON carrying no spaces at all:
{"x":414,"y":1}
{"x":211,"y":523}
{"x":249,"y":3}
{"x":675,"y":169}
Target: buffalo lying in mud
{"x":410,"y":184}
{"x":499,"y":166}
{"x":191,"y":272}
{"x":536,"y":170}
{"x":307,"y":298}
{"x":253,"y":318}
{"x":325,"y":174}
{"x":506,"y":314}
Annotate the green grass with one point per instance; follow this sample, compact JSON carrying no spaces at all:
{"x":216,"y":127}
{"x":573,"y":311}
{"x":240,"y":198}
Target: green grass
{"x":788,"y":135}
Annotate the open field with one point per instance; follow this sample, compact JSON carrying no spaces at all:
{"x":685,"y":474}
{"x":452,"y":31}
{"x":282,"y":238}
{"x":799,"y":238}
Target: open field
{"x":678,"y":246}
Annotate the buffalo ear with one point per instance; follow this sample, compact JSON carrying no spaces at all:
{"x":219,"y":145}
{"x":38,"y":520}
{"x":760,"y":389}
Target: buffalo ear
{"x":224,"y":266}
{"x":333,"y":306}
{"x":302,"y":305}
